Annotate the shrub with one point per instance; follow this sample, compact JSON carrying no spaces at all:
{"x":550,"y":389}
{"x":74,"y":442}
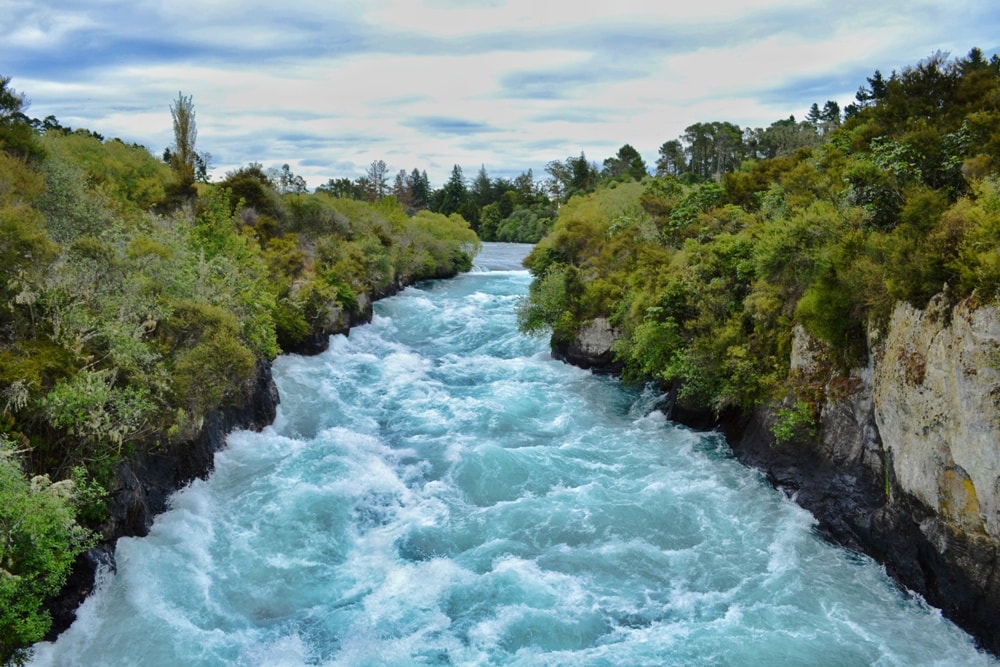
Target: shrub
{"x":40,"y":541}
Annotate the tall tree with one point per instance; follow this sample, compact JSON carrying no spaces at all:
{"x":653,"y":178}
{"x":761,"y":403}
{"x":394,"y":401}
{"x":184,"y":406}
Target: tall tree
{"x":453,"y":195}
{"x":627,"y":163}
{"x":482,"y":188}
{"x":378,"y":180}
{"x":783,"y":137}
{"x":714,"y":148}
{"x":524,"y":184}
{"x":16,"y":134}
{"x":421,"y":188}
{"x":402,"y":190}
{"x":672,"y":161}
{"x":11,"y":101}
{"x":572,"y":177}
{"x":182,"y":156}
{"x":815,"y":115}
{"x":583,"y":175}
{"x":284,"y":181}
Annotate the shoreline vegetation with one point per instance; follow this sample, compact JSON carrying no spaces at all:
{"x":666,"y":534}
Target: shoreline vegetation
{"x":141,"y":304}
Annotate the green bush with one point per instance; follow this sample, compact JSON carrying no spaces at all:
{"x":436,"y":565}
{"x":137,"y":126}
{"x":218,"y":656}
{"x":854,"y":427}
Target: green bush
{"x":794,"y":423}
{"x":39,"y":540}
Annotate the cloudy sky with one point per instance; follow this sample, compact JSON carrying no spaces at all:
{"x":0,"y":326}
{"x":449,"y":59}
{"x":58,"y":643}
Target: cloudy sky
{"x":329,"y":86}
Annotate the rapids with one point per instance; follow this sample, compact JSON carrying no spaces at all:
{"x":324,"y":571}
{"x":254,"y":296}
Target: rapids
{"x":437,"y":490}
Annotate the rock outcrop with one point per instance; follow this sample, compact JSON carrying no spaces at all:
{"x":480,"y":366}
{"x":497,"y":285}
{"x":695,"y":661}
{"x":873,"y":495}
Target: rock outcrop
{"x":937,"y":404}
{"x":906,"y":467}
{"x":592,"y":348}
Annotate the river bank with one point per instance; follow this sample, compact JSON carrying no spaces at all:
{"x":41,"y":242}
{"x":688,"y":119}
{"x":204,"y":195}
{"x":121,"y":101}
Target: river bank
{"x":905,"y":499}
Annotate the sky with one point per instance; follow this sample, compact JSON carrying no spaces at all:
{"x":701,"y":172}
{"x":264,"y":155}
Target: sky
{"x":329,"y":86}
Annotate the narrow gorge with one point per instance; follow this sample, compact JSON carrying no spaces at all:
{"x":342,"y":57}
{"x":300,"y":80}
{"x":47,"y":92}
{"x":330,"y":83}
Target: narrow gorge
{"x":437,"y":489}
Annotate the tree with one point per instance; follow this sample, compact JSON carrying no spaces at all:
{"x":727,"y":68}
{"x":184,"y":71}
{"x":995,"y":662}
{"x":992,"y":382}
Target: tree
{"x":714,"y":148}
{"x":402,"y":190}
{"x":16,"y":134}
{"x":453,"y":195}
{"x":343,"y":188}
{"x":482,"y":188}
{"x":583,"y":175}
{"x":826,"y":119}
{"x":420,"y":186}
{"x":815,"y":115}
{"x":627,"y":163}
{"x":287,"y":182}
{"x":11,"y":101}
{"x":573,"y":176}
{"x":672,"y":161}
{"x":377,"y":180}
{"x":183,"y":157}
{"x":524,"y":184}
{"x":255,"y":187}
{"x":879,"y":86}
{"x":783,"y":137}
{"x":831,"y":112}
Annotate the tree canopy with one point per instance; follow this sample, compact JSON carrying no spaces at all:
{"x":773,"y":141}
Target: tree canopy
{"x":825,"y":223}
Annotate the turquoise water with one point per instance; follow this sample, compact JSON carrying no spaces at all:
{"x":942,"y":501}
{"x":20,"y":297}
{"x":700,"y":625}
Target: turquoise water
{"x":437,"y":490}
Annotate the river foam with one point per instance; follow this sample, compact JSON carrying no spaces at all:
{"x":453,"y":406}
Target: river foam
{"x":437,"y":490}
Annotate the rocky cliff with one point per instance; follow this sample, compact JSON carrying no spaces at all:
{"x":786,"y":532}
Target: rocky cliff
{"x":905,"y":463}
{"x":936,"y":399}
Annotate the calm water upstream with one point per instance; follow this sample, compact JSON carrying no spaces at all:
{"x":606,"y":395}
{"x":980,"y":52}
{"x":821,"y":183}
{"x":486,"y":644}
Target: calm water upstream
{"x":437,"y":490}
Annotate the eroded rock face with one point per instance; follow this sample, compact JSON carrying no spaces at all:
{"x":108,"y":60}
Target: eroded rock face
{"x":937,"y":406}
{"x":907,"y":463}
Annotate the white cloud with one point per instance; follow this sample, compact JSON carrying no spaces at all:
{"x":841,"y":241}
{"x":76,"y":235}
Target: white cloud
{"x":429,"y":83}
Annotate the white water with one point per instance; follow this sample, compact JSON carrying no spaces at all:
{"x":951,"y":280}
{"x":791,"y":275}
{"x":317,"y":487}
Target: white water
{"x":438,"y":491}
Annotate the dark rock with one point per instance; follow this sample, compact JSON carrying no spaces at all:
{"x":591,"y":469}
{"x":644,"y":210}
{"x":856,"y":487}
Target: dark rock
{"x":78,"y":586}
{"x":591,"y":349}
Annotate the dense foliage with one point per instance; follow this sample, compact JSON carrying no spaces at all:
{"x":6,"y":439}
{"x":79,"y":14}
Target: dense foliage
{"x":135,"y":300}
{"x":40,"y":540}
{"x":705,"y":279}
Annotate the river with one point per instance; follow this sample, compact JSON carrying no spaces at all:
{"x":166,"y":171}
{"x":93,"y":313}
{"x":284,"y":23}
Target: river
{"x":437,"y":490}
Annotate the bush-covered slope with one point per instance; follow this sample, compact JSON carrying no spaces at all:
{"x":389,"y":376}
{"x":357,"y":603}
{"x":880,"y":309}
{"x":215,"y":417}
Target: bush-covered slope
{"x":704,"y":282}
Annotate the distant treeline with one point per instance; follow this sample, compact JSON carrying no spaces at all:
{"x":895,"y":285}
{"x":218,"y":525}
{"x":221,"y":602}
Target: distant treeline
{"x":524,"y":208}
